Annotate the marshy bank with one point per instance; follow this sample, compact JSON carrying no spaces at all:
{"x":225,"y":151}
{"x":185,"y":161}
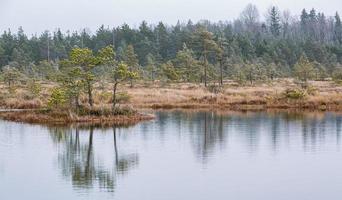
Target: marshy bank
{"x":95,"y":117}
{"x":39,"y":117}
{"x":279,"y":94}
{"x":283,"y":94}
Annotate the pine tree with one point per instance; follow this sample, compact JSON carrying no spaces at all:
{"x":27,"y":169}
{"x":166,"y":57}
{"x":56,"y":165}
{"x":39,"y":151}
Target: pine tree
{"x":118,"y":75}
{"x":187,"y":64}
{"x":313,"y":24}
{"x":85,"y":60}
{"x":221,"y":55}
{"x":151,"y":66}
{"x":169,"y":71}
{"x":204,"y":42}
{"x":144,"y":45}
{"x":131,"y":59}
{"x":304,"y":21}
{"x":304,"y":69}
{"x":274,"y":18}
{"x":338,"y":28}
{"x":2,"y":56}
{"x":162,"y":38}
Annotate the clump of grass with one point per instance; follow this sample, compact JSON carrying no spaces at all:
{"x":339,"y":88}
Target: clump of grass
{"x":103,"y":97}
{"x":214,"y":89}
{"x":310,"y":90}
{"x":295,"y":94}
{"x":105,"y":111}
{"x":15,"y":103}
{"x":34,"y":88}
{"x":122,"y":97}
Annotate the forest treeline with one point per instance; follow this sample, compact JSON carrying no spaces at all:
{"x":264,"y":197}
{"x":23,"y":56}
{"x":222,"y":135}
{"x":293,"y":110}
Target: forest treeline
{"x":247,"y":49}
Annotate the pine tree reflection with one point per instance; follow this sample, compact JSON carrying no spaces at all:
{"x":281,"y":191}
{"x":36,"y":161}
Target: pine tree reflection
{"x":76,"y":160}
{"x":338,"y":129}
{"x":123,"y":163}
{"x":214,"y":129}
{"x":208,"y":134}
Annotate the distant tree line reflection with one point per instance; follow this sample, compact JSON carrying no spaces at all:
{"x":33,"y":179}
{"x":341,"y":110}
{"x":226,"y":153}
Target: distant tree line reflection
{"x":207,"y":133}
{"x":76,"y":159}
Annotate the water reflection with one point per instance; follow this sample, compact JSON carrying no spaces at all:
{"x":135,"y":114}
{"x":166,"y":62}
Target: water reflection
{"x":78,"y":161}
{"x":210,"y":131}
{"x":84,"y":158}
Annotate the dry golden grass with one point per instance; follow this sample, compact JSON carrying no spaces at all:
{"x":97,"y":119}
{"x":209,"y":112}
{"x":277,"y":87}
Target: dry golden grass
{"x":326,"y":96}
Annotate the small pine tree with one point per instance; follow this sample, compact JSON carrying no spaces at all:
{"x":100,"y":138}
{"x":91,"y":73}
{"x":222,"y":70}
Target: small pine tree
{"x":131,"y":59}
{"x":304,"y":70}
{"x":10,"y":76}
{"x":337,"y":75}
{"x":57,"y":98}
{"x":119,"y":75}
{"x":169,"y":71}
{"x":187,"y":64}
{"x":34,"y":87}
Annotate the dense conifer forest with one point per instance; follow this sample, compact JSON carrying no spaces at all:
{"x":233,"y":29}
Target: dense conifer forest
{"x":247,"y":48}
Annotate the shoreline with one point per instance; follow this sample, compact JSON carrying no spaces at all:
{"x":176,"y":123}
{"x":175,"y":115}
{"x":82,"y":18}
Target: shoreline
{"x":31,"y":116}
{"x":302,"y":106}
{"x":281,"y":94}
{"x":34,"y":117}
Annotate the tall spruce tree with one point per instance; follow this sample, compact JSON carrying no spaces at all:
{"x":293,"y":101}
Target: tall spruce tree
{"x":204,"y":42}
{"x":187,"y":64}
{"x":131,"y":59}
{"x":338,"y":28}
{"x":274,"y":18}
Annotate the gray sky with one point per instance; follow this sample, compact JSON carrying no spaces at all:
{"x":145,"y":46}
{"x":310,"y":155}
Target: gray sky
{"x":38,"y":15}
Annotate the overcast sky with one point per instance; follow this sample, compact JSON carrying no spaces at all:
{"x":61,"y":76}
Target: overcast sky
{"x":38,"y":15}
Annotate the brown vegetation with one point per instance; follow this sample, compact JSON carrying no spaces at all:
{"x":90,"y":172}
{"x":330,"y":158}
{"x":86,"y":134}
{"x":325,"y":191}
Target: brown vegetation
{"x":279,"y":94}
{"x":64,"y":118}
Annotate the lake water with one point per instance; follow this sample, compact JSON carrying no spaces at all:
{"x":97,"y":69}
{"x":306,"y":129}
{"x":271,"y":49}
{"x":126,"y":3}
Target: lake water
{"x":177,"y":156}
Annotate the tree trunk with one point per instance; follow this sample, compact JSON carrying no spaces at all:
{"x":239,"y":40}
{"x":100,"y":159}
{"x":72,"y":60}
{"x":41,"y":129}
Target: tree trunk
{"x":90,"y":149}
{"x":90,"y":94}
{"x":131,"y":80}
{"x":77,"y":146}
{"x":221,"y":72}
{"x":77,"y":103}
{"x":188,"y":68}
{"x":152,"y":74}
{"x":114,"y":94}
{"x":115,"y":147}
{"x":205,"y":69}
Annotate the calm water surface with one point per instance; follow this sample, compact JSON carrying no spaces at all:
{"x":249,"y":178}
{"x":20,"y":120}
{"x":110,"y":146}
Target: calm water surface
{"x":178,"y":156}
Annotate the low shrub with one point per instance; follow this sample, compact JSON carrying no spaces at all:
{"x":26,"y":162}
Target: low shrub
{"x":337,"y":75}
{"x":310,"y":90}
{"x":104,"y":97}
{"x":214,"y":89}
{"x":123,"y":111}
{"x":35,"y":88}
{"x":57,"y":99}
{"x":122,"y":97}
{"x":295,"y":94}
